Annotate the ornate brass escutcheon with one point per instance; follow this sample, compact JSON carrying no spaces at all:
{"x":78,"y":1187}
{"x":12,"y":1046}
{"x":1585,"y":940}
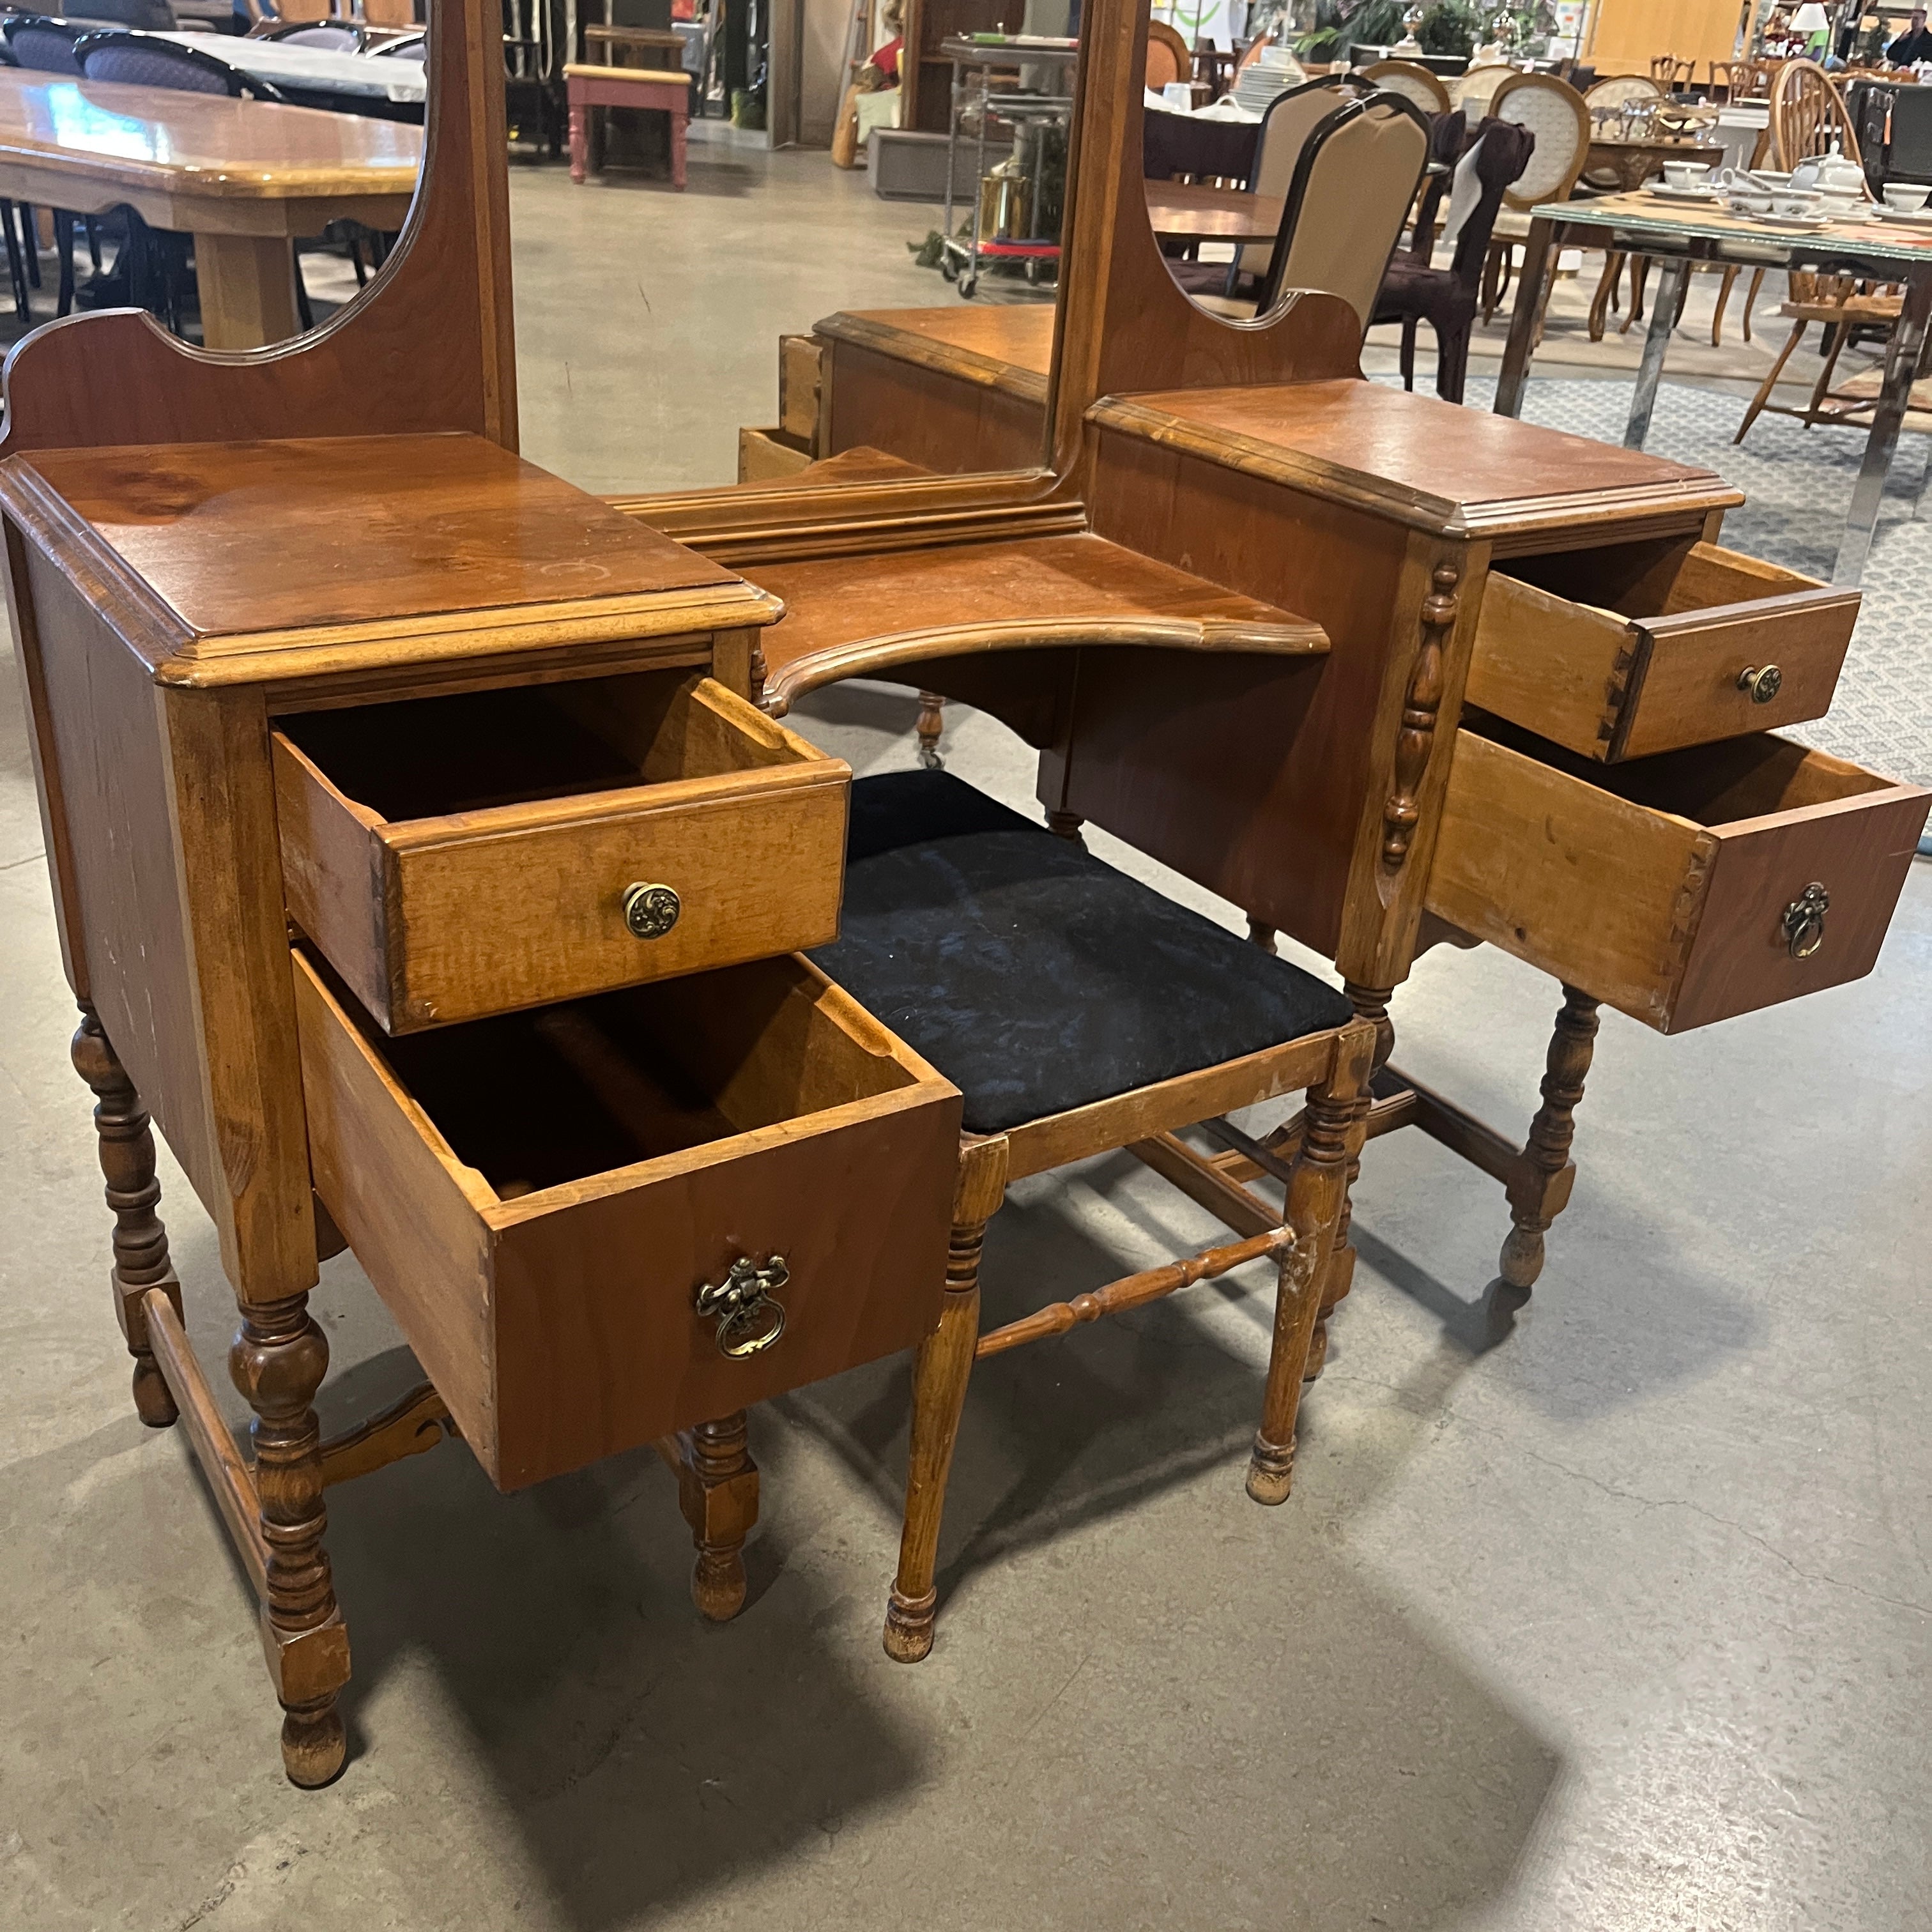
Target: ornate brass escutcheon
{"x":651,"y":911}
{"x":748,"y":1320}
{"x":1804,"y":921}
{"x":1763,"y":682}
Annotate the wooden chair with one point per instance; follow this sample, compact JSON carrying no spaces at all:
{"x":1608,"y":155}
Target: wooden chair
{"x":1670,"y":72}
{"x":1619,"y":90}
{"x":1079,"y":1011}
{"x":1411,"y":80}
{"x":1474,"y":90}
{"x":1553,"y":111}
{"x":1414,"y":290}
{"x":1808,"y":118}
{"x":1167,"y":58}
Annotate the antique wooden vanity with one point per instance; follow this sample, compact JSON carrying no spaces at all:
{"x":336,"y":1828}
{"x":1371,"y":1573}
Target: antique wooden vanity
{"x":437,"y":871}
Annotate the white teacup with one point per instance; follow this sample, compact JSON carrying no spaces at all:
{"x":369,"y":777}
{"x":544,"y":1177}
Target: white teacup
{"x":1906,"y":199}
{"x":1686,"y":174}
{"x":1795,"y":207}
{"x":1750,"y":201}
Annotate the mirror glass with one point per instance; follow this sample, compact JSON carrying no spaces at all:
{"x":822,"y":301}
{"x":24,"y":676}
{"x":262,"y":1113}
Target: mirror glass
{"x":894,"y":170}
{"x":240,"y":179}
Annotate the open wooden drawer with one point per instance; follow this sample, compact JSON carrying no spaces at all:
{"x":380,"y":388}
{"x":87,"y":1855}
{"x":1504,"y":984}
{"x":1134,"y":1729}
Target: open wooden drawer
{"x":1639,"y":648}
{"x":541,"y":1198}
{"x":1681,"y":889}
{"x":459,"y":856}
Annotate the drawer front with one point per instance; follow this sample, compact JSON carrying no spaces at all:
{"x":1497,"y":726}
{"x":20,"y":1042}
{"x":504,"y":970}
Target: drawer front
{"x":438,"y":920}
{"x":765,"y":454}
{"x":562,"y":1327}
{"x":1613,"y":687}
{"x":1675,"y":923}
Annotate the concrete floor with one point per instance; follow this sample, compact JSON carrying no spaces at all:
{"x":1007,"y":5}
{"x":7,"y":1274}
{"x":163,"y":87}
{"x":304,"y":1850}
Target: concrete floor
{"x":1605,"y":1611}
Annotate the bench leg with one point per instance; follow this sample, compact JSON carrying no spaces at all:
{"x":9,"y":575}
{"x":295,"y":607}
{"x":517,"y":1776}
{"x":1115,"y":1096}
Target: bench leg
{"x":580,"y":140}
{"x":678,"y":122}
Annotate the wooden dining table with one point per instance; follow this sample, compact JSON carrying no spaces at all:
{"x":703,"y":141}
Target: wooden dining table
{"x":1192,"y":212}
{"x":245,"y":178}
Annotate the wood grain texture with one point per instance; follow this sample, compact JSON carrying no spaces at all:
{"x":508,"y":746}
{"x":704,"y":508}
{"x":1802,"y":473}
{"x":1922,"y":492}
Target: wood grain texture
{"x":559,"y":1325}
{"x":482,"y":910}
{"x":1661,"y":669}
{"x":946,"y":414}
{"x":1619,"y":895}
{"x":844,"y":618}
{"x":1433,"y":465}
{"x":429,"y":347}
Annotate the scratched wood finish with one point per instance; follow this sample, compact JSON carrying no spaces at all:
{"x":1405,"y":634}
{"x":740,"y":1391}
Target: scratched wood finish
{"x":1656,"y":672}
{"x":1667,"y":902}
{"x":559,"y":1325}
{"x":482,"y":908}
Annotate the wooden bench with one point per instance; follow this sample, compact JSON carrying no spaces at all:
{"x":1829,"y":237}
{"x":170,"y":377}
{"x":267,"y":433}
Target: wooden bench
{"x":599,"y":86}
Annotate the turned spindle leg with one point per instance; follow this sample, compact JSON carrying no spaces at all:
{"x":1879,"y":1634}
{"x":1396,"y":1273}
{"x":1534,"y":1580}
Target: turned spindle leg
{"x":1541,"y":1189}
{"x":140,"y":1242}
{"x":718,"y":1491}
{"x":931,"y":722}
{"x":277,"y":1361}
{"x":1067,"y":825}
{"x":940,"y":1372}
{"x":1371,"y":1003}
{"x":1318,"y":1199}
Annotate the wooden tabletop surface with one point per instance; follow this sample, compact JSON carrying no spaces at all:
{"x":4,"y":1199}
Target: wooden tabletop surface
{"x":157,"y":139}
{"x":1191,"y":211}
{"x":241,"y":538}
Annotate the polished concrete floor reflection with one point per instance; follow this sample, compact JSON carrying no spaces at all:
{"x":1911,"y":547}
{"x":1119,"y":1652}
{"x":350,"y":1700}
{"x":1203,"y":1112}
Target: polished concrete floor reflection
{"x":1605,"y":1611}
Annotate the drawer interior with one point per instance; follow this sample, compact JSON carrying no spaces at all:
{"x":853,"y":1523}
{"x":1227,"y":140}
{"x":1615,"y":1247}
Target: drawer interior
{"x":1737,"y":779}
{"x":1662,"y":577}
{"x":534,"y":1100}
{"x":430,"y":758}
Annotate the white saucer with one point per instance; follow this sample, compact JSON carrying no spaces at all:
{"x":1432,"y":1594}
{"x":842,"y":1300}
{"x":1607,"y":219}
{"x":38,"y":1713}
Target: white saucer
{"x":1917,"y":217}
{"x":1791,"y":224}
{"x":1664,"y":191}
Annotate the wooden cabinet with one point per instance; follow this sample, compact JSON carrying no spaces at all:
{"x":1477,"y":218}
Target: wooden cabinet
{"x":539,"y":1197}
{"x":1682,"y":888}
{"x":1620,"y":652}
{"x":470,"y":853}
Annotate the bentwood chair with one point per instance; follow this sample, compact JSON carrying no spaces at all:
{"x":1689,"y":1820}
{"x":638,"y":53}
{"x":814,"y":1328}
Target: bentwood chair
{"x":1079,"y":1013}
{"x":1808,"y":118}
{"x":1168,"y":59}
{"x":1410,"y":79}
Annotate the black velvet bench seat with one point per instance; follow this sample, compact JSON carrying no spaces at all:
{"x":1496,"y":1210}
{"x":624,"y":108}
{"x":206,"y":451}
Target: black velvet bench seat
{"x":1035,"y":976}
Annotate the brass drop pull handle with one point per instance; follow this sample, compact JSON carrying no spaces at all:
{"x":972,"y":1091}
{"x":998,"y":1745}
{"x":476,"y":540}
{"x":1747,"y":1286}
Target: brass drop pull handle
{"x":650,"y":911}
{"x":1763,"y":683}
{"x":748,"y":1320}
{"x":1804,"y":921}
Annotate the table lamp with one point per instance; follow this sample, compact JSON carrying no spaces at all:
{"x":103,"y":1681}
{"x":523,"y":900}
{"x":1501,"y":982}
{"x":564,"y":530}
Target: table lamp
{"x":1812,"y":21}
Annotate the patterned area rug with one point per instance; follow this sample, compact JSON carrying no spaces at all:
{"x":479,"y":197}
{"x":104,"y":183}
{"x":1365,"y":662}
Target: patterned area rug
{"x":1797,"y":485}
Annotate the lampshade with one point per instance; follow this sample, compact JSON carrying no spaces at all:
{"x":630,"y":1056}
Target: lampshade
{"x":1811,"y":18}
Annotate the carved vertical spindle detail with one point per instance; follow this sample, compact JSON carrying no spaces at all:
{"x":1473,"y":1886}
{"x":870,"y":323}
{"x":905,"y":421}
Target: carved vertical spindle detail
{"x":1547,"y":1153}
{"x":931,"y":722}
{"x":718,"y":1490}
{"x":277,"y":1361}
{"x":1420,"y":706}
{"x":141,"y":1262}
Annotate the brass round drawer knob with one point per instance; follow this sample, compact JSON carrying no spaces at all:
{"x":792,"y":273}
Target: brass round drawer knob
{"x":650,"y":911}
{"x":748,"y":1320}
{"x":1804,"y":921}
{"x":1763,"y":682}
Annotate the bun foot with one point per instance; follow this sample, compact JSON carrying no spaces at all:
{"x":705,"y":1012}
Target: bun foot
{"x":909,"y":1627}
{"x":154,"y":1402}
{"x":314,"y":1747}
{"x":1270,"y":1471}
{"x":1522,"y":1258}
{"x":718,"y":1585}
